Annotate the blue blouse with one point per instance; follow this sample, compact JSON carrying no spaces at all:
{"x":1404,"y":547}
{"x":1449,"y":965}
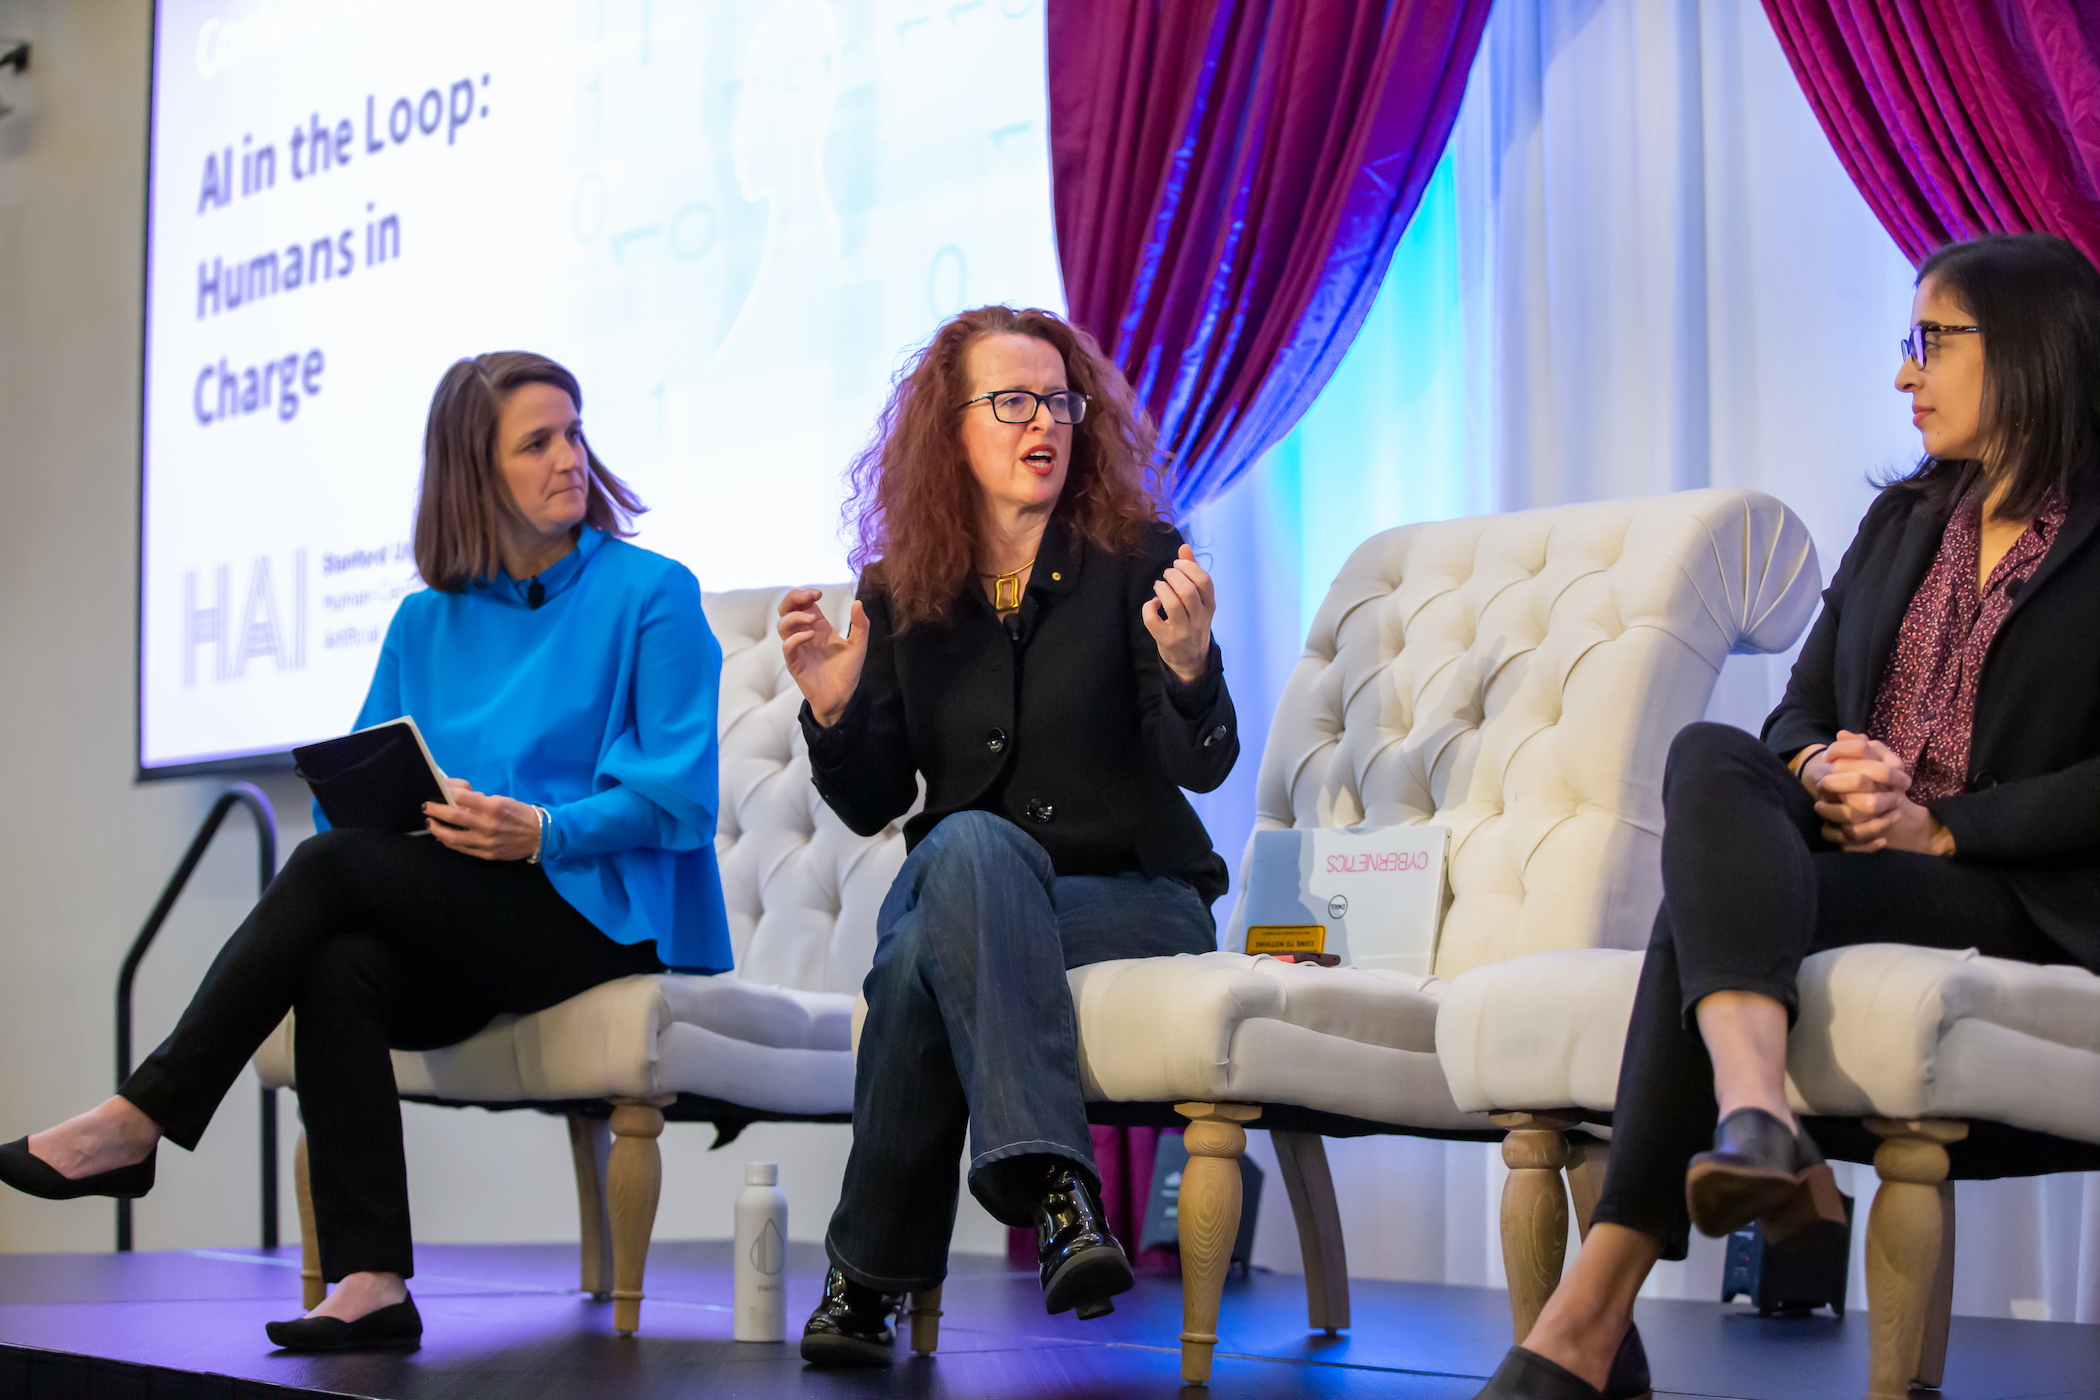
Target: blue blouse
{"x":599,"y":706}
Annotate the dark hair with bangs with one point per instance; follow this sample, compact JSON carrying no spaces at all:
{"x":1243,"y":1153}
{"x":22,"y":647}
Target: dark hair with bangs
{"x":2035,"y":300}
{"x":458,"y":535}
{"x":912,"y":502}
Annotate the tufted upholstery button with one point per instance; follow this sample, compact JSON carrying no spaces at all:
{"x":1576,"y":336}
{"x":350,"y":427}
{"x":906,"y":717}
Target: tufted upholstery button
{"x":1216,"y":736}
{"x":995,"y":740}
{"x":1039,"y":810}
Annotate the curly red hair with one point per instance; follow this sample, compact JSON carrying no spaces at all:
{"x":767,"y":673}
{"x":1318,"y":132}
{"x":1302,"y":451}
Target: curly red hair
{"x":912,"y":506}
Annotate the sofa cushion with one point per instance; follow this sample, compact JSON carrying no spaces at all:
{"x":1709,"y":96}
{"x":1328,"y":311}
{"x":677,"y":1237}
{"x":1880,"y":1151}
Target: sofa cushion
{"x":770,"y":1048}
{"x":1884,"y":1029}
{"x":1228,"y":1027}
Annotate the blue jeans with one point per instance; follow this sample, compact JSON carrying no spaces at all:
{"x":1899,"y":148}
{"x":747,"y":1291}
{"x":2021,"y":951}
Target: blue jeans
{"x":970,"y":1024}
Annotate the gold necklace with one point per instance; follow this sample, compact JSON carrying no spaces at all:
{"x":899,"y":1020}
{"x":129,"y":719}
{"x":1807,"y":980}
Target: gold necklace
{"x":1006,"y":588}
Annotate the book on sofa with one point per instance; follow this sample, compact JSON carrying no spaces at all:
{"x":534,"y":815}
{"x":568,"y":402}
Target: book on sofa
{"x":1366,"y":896}
{"x":374,"y":779}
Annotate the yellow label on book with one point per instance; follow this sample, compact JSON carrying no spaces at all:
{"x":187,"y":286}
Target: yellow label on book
{"x":1287,"y":938}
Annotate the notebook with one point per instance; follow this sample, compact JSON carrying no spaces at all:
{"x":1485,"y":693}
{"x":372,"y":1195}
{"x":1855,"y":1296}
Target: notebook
{"x":1372,"y":895}
{"x":374,"y":779}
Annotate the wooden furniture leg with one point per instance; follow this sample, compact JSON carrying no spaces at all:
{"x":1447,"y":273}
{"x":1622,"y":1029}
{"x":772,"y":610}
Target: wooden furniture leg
{"x":1534,"y":1212}
{"x":635,"y":1179}
{"x":1208,"y":1216}
{"x":1939,"y":1306}
{"x":1302,"y":1158}
{"x":312,"y":1287}
{"x":924,"y":1309}
{"x":1587,"y":1158}
{"x":590,"y":1145}
{"x":1906,"y":1240}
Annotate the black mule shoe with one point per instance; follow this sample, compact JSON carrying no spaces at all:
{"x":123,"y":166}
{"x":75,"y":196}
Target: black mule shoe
{"x":397,"y":1327}
{"x":32,"y":1175}
{"x":1525,"y":1375}
{"x":851,"y":1326}
{"x":1081,"y":1264}
{"x":1760,"y":1170}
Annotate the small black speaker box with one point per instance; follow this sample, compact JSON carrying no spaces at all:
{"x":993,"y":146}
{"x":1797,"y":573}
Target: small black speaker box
{"x":1805,"y":1271}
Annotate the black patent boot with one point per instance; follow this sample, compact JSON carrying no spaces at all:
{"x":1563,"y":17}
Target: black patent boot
{"x":851,"y":1326}
{"x":1082,"y":1265}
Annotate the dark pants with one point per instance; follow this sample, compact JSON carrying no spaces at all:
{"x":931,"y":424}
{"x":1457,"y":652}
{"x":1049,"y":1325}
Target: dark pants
{"x":970,"y":1026}
{"x":378,"y":941}
{"x":1750,"y":888}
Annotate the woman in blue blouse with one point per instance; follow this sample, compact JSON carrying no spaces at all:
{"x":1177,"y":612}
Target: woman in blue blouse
{"x":568,"y":680}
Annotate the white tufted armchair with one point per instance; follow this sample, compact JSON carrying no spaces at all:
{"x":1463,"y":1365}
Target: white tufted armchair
{"x":769,"y":1041}
{"x":1517,"y":678}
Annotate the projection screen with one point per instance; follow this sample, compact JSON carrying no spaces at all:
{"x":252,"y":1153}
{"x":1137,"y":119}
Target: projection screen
{"x":731,"y":218}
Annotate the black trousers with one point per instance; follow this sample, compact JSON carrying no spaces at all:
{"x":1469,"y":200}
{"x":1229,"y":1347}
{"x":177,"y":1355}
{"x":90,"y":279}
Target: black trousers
{"x":378,"y":941}
{"x":1750,"y":888}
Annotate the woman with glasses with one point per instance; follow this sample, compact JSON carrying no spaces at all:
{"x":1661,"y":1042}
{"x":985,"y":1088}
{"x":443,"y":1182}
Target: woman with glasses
{"x":1927,"y":779}
{"x":1032,"y":642}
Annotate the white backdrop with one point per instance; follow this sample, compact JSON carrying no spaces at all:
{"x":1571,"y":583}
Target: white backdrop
{"x":1650,"y":273}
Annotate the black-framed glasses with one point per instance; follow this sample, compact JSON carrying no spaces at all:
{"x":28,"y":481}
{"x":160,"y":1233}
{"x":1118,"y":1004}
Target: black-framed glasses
{"x":1918,"y":344}
{"x":1067,"y":406}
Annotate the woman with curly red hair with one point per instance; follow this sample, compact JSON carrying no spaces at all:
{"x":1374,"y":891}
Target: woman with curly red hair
{"x":1032,"y":640}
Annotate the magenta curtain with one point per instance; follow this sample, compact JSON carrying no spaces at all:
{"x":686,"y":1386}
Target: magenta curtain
{"x":1230,"y":179}
{"x":1958,"y":117}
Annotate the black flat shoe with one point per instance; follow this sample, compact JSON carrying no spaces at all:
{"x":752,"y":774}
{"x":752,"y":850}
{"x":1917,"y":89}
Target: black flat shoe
{"x":32,"y":1175}
{"x":1525,"y":1375}
{"x":1081,"y":1264}
{"x":851,"y":1326}
{"x":1759,"y":1170}
{"x":1629,"y":1369}
{"x":397,"y":1327}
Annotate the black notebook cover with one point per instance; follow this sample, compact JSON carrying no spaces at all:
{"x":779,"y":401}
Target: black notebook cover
{"x":376,"y":779}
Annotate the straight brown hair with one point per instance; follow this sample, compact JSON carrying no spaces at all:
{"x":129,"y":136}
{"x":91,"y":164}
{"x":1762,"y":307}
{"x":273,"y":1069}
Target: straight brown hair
{"x":464,"y":501}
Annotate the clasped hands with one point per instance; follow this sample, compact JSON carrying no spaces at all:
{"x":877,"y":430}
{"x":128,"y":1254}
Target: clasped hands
{"x":1861,"y":790}
{"x":493,"y":828}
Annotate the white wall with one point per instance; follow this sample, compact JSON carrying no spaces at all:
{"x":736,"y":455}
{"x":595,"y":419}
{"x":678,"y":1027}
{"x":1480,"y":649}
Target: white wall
{"x":84,"y":850}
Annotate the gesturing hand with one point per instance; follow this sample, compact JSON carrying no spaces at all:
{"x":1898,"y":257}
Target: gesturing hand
{"x":826,"y":666}
{"x":493,"y":828}
{"x":1861,"y":788}
{"x":1178,"y":616}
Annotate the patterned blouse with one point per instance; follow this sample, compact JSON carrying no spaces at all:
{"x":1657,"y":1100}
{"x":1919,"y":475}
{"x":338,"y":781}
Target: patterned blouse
{"x":1927,"y":701}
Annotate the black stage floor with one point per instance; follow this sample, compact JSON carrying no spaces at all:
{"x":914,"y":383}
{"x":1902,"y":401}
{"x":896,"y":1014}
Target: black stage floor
{"x":503,"y":1320}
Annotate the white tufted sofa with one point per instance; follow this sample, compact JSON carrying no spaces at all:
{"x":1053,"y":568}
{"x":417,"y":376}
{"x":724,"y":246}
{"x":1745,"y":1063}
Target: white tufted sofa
{"x":770,"y":1040}
{"x":1518,"y":678}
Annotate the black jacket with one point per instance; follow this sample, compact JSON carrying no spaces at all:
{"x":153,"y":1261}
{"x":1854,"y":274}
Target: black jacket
{"x":1076,"y":732}
{"x":2032,"y":803}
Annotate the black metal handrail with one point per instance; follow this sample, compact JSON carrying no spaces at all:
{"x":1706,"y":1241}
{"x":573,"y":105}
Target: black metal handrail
{"x":249,"y":796}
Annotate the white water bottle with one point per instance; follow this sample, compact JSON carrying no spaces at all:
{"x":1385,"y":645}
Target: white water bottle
{"x":761,"y":1256}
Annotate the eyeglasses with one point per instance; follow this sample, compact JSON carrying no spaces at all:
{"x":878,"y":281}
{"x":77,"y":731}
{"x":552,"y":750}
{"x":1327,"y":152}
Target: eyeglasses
{"x":1918,"y":343}
{"x":1067,"y":406}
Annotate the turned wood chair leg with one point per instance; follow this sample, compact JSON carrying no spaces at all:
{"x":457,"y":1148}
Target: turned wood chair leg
{"x":590,"y":1145}
{"x":1302,"y":1158}
{"x":1534,"y":1211}
{"x":1587,"y":1159}
{"x":1908,"y":1249}
{"x":312,"y":1288}
{"x":635,"y":1178}
{"x":1208,"y":1214}
{"x":924,"y":1309}
{"x":1939,"y":1305}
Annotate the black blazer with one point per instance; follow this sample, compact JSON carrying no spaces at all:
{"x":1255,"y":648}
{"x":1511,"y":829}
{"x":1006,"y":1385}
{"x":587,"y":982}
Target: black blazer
{"x":1076,"y":732}
{"x":2032,"y":803}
